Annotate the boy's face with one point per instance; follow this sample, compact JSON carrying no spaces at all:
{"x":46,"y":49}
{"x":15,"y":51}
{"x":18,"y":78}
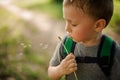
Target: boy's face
{"x":80,"y":26}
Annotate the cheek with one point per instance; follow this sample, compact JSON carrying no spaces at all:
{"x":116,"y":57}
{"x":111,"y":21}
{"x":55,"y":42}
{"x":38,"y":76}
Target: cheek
{"x":79,"y":35}
{"x":82,"y":34}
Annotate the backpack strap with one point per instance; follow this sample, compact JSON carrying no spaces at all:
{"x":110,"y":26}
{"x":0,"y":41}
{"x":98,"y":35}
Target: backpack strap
{"x":70,"y":46}
{"x":106,"y":52}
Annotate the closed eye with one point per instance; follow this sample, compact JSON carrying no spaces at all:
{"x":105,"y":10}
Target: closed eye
{"x":74,"y":25}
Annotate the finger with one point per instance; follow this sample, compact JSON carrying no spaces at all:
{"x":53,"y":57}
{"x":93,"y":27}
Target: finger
{"x":71,"y":61}
{"x":71,"y":70}
{"x":72,"y":65}
{"x":75,"y":68}
{"x":70,"y":56}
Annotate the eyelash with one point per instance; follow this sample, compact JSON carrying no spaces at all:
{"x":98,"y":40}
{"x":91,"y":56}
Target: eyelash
{"x":74,"y":25}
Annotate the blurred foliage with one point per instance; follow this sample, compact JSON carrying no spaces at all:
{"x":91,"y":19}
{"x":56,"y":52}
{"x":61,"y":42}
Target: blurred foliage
{"x":50,"y":7}
{"x":53,"y":9}
{"x":115,"y":22}
{"x":18,"y":61}
{"x":57,"y":1}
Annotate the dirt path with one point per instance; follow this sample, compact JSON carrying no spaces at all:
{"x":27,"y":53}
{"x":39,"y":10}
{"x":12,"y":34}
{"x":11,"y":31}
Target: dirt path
{"x":48,"y":28}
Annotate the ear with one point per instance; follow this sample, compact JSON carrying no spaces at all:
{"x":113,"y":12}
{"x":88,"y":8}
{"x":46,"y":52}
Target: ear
{"x":100,"y":25}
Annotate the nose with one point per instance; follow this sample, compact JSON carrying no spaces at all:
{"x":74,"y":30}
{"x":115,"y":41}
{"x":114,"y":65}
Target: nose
{"x":68,"y":27}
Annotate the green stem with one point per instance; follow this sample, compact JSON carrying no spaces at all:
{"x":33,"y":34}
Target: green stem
{"x":76,"y":78}
{"x":67,"y":54}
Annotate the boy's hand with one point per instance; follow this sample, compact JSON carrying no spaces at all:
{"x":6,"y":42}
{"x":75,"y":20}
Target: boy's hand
{"x":68,"y":65}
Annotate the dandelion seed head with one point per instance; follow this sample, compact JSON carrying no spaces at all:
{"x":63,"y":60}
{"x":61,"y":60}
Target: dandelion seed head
{"x":59,"y":38}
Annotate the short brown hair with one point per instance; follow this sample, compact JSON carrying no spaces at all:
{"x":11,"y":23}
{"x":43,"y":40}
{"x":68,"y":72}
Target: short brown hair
{"x":98,"y":9}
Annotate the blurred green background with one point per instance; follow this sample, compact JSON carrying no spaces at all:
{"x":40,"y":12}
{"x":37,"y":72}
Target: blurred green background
{"x":28,"y":36}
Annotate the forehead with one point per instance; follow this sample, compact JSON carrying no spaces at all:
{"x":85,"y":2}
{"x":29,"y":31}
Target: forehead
{"x":73,"y":2}
{"x":72,"y":13}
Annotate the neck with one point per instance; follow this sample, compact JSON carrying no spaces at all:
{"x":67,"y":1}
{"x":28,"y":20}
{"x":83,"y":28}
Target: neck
{"x":92,"y":42}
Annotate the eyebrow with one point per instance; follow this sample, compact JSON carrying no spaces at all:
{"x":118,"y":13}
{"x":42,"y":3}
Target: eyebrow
{"x":67,"y":19}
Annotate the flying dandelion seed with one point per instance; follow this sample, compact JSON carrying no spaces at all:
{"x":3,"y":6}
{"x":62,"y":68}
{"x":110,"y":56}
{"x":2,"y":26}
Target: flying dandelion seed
{"x":25,"y":46}
{"x":20,"y":54}
{"x":29,"y":45}
{"x":22,"y":44}
{"x":45,"y":46}
{"x":41,"y":44}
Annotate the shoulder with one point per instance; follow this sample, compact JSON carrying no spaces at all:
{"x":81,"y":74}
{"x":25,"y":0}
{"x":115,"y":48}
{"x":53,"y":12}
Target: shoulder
{"x":116,"y":67}
{"x":115,"y":47}
{"x":57,"y":57}
{"x":117,"y":51}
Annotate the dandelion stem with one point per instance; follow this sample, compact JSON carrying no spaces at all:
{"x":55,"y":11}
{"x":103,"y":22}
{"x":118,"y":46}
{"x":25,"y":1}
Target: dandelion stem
{"x":63,"y":45}
{"x":67,"y":53}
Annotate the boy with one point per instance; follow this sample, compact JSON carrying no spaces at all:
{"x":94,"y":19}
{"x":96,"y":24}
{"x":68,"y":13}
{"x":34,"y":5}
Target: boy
{"x":85,"y":20}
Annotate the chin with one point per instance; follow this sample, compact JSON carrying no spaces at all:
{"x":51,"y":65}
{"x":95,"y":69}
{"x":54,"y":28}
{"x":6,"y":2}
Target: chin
{"x":75,"y":40}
